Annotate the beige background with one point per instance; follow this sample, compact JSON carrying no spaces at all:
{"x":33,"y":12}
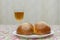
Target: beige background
{"x":35,"y":10}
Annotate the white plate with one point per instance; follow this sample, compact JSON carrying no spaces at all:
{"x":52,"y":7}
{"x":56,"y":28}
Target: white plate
{"x":33,"y":36}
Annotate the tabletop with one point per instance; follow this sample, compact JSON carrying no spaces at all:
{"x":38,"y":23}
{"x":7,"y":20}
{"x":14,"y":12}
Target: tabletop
{"x":6,"y":33}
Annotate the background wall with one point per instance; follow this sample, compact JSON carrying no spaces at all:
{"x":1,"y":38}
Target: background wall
{"x":35,"y":10}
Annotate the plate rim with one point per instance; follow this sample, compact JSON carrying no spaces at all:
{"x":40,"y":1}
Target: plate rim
{"x":33,"y":36}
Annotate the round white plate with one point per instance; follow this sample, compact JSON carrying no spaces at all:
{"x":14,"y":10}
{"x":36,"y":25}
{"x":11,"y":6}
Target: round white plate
{"x":33,"y":36}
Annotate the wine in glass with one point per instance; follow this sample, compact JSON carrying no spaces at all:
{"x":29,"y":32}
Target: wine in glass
{"x":19,"y":15}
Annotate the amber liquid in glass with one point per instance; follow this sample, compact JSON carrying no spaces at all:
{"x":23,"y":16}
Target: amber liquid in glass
{"x":19,"y":15}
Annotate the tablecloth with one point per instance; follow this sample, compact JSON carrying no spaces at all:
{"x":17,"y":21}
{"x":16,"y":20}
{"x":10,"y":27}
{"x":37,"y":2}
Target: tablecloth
{"x":6,"y":33}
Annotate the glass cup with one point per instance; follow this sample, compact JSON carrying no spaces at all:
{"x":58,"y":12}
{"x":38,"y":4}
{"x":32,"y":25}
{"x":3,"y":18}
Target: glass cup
{"x":19,"y":14}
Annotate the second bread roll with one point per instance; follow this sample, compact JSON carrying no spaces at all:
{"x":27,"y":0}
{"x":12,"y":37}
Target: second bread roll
{"x":41,"y":28}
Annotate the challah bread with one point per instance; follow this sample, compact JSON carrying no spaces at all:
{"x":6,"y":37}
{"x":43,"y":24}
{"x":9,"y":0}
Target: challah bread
{"x":41,"y":28}
{"x":25,"y":29}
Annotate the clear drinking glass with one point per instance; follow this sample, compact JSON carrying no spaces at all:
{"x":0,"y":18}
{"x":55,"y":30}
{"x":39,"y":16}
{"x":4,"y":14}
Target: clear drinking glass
{"x":19,"y":14}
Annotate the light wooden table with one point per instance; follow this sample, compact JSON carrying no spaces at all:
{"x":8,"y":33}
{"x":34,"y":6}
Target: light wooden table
{"x":6,"y":33}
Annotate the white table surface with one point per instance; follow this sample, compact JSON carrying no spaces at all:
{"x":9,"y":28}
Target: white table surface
{"x":6,"y":33}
